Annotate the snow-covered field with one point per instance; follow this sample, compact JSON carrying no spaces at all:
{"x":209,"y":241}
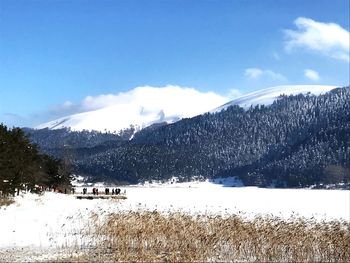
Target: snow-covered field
{"x":56,"y":220}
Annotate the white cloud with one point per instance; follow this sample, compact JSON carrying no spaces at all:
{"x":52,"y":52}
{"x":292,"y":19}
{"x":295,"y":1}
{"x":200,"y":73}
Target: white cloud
{"x":255,"y":73}
{"x":328,"y":39}
{"x":311,"y":74}
{"x":169,"y":101}
{"x":274,"y":75}
{"x":56,"y":111}
{"x":172,"y":98}
{"x":67,"y":104}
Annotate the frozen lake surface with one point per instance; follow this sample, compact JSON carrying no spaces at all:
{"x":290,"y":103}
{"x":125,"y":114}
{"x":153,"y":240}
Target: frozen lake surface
{"x":248,"y":201}
{"x":54,"y":220}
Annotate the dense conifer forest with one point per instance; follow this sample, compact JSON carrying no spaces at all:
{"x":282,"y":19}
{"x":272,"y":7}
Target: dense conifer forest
{"x":23,"y":167}
{"x":297,"y":141}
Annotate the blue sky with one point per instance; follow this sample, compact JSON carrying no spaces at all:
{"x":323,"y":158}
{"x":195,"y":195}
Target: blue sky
{"x":55,"y":53}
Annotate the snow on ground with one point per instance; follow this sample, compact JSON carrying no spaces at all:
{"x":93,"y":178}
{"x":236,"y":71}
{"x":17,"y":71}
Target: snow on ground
{"x":206,"y":197}
{"x":56,"y":220}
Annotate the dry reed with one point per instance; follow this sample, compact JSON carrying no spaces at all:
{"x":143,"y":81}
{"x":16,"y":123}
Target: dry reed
{"x":178,"y":237}
{"x":6,"y":201}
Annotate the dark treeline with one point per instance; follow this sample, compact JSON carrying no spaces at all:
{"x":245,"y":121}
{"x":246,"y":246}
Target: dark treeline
{"x":53,"y":141}
{"x":297,"y":141}
{"x":22,"y":167}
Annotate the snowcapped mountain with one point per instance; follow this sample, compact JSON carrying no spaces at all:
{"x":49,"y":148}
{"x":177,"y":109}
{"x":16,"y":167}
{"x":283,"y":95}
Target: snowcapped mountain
{"x":113,"y":118}
{"x":140,"y":107}
{"x":295,"y":144}
{"x":145,"y":106}
{"x":269,"y":95}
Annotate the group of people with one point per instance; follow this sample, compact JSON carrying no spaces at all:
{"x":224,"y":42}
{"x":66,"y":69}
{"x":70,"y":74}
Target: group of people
{"x":115,"y":191}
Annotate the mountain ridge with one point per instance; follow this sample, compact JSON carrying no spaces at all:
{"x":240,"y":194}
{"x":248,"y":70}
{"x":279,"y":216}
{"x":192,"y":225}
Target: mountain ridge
{"x":297,"y":141}
{"x":269,"y":95}
{"x":137,"y":109}
{"x":118,"y":117}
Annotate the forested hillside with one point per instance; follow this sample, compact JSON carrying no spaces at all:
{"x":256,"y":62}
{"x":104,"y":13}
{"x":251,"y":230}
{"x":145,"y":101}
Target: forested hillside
{"x":23,"y":167}
{"x":297,"y":141}
{"x":57,"y":139}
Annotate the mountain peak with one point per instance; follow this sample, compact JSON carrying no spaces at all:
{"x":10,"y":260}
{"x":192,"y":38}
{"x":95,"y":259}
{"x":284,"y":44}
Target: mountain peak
{"x":139,"y":107}
{"x":269,"y":95}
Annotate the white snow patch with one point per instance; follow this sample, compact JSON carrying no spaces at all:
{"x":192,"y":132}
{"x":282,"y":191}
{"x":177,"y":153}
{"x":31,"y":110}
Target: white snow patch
{"x":269,"y":95}
{"x":195,"y":182}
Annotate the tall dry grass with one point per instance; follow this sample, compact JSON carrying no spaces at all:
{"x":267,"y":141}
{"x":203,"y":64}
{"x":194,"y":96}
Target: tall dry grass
{"x":178,"y":237}
{"x":6,"y":201}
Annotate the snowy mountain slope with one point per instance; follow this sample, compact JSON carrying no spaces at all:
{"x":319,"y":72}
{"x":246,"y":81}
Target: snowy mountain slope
{"x":140,"y":107}
{"x":302,"y":135}
{"x":113,"y":118}
{"x":155,"y":106}
{"x":269,"y":95}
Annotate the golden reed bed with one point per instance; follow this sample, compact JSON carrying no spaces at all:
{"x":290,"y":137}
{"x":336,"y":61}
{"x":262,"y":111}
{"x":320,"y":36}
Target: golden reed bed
{"x":178,"y":237}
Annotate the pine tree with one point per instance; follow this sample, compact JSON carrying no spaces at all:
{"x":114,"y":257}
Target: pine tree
{"x":23,"y":167}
